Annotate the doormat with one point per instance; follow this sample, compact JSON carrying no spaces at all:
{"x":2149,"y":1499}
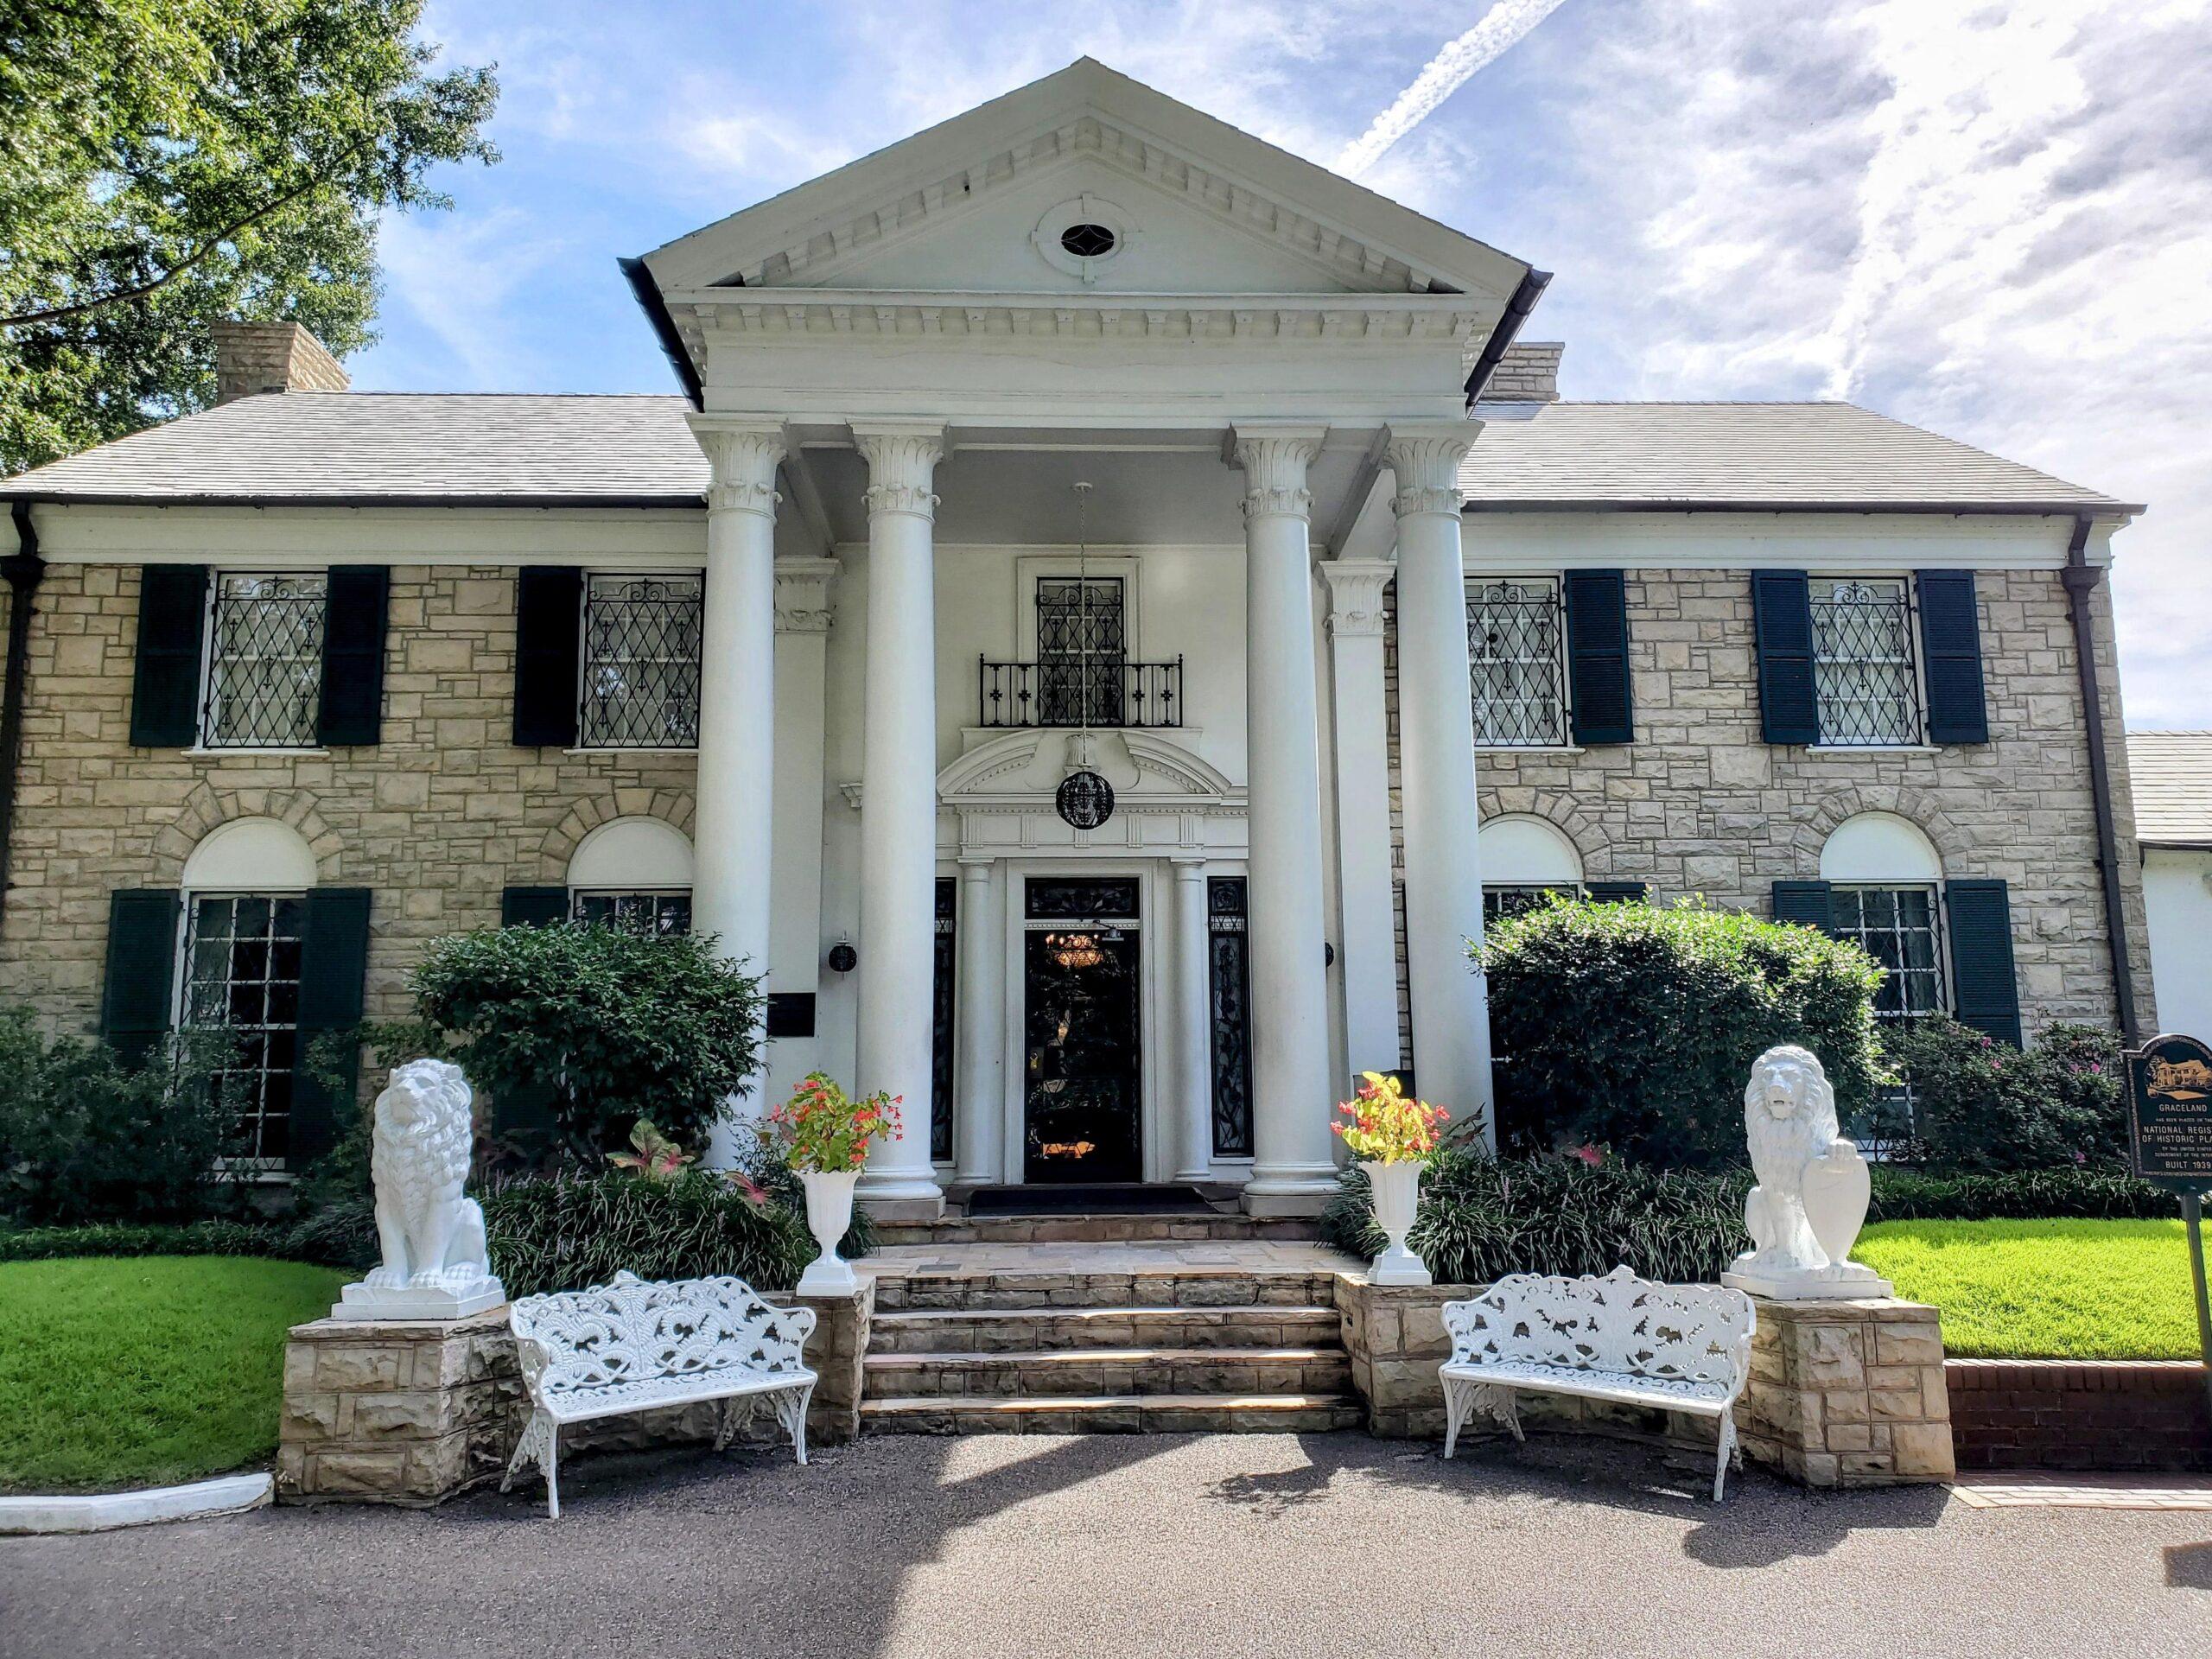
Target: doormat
{"x":1078,"y":1198}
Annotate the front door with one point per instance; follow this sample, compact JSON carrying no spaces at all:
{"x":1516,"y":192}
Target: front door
{"x":1082,"y":1074}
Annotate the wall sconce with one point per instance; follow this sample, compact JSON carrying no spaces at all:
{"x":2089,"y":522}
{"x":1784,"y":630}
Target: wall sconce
{"x":842,"y":957}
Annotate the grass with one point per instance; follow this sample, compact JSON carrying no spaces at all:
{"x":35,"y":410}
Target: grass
{"x":2045,"y":1289}
{"x":117,"y":1373}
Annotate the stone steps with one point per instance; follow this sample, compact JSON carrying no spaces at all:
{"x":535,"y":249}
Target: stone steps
{"x":1142,"y":1371}
{"x":1181,"y":1285}
{"x":1109,"y":1414}
{"x":1093,"y":1229}
{"x":995,"y":1331}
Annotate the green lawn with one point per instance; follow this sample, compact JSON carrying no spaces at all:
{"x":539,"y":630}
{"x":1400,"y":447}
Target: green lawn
{"x":123,"y":1372}
{"x":2045,"y":1289}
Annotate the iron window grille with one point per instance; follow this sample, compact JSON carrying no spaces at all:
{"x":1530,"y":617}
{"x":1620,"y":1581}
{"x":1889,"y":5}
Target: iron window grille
{"x":242,"y":978}
{"x":944,"y":942}
{"x":264,"y":661}
{"x":641,"y":642}
{"x":664,"y":912}
{"x":1509,"y":900}
{"x":1899,"y":927}
{"x":1866,"y":676}
{"x":1228,"y":1015}
{"x":1516,"y":639}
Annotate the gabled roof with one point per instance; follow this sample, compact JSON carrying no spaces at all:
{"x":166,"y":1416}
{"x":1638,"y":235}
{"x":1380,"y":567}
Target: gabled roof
{"x":1363,"y":241}
{"x":441,"y":448}
{"x":1815,"y":456}
{"x":2169,"y":774}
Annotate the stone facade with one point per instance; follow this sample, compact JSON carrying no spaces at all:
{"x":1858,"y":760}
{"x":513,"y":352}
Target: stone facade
{"x":1700,"y":803}
{"x":1848,"y":1394}
{"x":251,"y":358}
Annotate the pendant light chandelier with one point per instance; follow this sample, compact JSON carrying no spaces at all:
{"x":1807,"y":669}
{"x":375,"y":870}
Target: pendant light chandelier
{"x":1085,"y":800}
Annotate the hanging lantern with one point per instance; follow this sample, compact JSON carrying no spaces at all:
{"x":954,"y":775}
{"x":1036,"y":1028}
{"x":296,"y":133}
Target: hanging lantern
{"x":1075,"y":950}
{"x":1086,"y":800}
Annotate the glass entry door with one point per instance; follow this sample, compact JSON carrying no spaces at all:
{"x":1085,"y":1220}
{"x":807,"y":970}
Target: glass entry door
{"x":1083,"y":1071}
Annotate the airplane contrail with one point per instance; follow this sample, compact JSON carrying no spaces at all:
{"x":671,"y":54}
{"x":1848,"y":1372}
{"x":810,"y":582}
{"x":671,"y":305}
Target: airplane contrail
{"x":1501,"y":27}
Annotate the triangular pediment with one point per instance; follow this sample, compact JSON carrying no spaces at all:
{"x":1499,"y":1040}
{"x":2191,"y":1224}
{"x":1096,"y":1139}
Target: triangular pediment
{"x":976,"y":204}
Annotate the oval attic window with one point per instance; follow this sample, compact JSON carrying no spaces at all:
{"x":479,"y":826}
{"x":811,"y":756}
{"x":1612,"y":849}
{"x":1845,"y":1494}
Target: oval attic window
{"x":1088,"y":241}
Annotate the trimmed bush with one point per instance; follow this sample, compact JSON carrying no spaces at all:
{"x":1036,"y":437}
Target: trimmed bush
{"x":1632,"y":1027}
{"x":2063,"y":1194}
{"x":1980,"y":1105}
{"x":303,"y":1241}
{"x":564,"y":1232}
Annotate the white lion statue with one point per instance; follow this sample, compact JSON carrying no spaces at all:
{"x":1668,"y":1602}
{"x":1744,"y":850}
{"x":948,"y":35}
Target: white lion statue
{"x":1813,"y":1190}
{"x":431,"y":1235}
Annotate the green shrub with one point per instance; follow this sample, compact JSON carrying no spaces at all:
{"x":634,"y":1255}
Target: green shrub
{"x":1632,"y":1027}
{"x":564,"y":1232}
{"x":85,"y":1138}
{"x":283,"y":1240}
{"x":616,"y":1024}
{"x":1980,"y":1105}
{"x":2063,"y":1194}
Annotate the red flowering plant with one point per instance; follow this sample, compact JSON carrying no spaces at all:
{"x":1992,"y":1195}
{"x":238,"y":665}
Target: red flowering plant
{"x":823,"y":1130}
{"x":654,"y":1156}
{"x":1383,"y":1125}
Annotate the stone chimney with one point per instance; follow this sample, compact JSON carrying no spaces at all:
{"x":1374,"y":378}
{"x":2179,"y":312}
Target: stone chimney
{"x":257,"y":357}
{"x":1528,"y":373}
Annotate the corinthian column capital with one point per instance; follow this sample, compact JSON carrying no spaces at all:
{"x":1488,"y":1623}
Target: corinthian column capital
{"x":1424,"y":456}
{"x":902,"y":458}
{"x":742,"y":453}
{"x":1274,"y":459}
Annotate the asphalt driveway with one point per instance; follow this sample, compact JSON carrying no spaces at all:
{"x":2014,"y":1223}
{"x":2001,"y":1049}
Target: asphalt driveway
{"x":1168,"y":1545}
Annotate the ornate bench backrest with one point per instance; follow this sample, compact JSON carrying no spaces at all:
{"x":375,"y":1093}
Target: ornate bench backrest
{"x":1697,"y":1333}
{"x":635,"y":1329}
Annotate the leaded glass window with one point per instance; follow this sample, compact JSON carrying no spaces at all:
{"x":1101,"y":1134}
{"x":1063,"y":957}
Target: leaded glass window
{"x":1898,"y":927}
{"x":1516,"y":648}
{"x":1505,"y":900}
{"x":663,"y":912}
{"x":1865,"y":677}
{"x":1228,"y":1015}
{"x":242,"y":977}
{"x":1081,"y":646}
{"x":264,"y":661}
{"x":942,"y":957}
{"x":641,"y":663}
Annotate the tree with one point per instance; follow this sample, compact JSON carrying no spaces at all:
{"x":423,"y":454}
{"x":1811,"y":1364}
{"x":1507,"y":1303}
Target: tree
{"x":167,"y":162}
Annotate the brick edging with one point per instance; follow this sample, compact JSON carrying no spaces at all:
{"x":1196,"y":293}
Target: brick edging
{"x":2066,"y":1413}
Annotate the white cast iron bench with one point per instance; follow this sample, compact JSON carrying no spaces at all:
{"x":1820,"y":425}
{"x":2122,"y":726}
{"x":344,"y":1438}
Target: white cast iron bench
{"x":1678,"y":1347}
{"x":636,"y":1345}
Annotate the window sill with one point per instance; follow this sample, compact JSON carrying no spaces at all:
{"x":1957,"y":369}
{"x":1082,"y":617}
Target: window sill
{"x":1873,"y":748}
{"x":202,"y":753}
{"x":583,"y":751}
{"x":1530,"y":749}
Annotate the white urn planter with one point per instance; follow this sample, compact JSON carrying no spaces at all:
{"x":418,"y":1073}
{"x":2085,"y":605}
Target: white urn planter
{"x":828,"y":1214}
{"x":1397,"y":1194}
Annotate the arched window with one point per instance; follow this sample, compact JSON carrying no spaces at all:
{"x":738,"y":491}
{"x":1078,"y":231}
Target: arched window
{"x":1524,"y":858}
{"x":1884,"y":889}
{"x":245,"y":888}
{"x":633,"y":872}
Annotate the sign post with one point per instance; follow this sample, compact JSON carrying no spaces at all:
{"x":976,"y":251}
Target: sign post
{"x":2170,"y":1142}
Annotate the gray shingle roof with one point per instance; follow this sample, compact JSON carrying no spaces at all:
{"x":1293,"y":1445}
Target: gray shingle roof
{"x":2170,"y":775}
{"x":1742,"y":455}
{"x":439,"y":446}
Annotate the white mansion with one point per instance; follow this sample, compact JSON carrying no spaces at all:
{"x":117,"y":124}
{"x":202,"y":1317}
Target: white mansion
{"x":1360,"y":626}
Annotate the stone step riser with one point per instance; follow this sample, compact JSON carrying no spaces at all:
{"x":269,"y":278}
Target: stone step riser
{"x":1095,"y":1229}
{"x":1135,"y":1415}
{"x":1074,"y":1373}
{"x":1012,"y":1291}
{"x":1030,"y":1330}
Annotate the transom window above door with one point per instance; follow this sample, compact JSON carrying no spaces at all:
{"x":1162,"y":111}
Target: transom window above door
{"x":264,"y":660}
{"x":640,"y":670}
{"x":1516,"y":648}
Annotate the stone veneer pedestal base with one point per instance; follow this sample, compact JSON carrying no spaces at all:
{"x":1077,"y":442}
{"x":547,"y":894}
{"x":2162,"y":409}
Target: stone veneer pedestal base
{"x":416,"y":1412}
{"x":1848,"y":1393}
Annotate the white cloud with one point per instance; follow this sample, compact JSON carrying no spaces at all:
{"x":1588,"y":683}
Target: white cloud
{"x":1500,"y":28}
{"x":459,"y":278}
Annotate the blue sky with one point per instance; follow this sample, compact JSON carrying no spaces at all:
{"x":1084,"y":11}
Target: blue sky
{"x":1992,"y":220}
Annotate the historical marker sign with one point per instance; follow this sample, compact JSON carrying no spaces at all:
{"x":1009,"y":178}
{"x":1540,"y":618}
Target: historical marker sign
{"x":2170,"y":1112}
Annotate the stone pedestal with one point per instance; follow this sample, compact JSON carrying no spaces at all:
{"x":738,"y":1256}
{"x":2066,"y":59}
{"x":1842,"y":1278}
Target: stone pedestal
{"x":1395,"y":1336}
{"x":410,"y":1412}
{"x":1848,"y":1393}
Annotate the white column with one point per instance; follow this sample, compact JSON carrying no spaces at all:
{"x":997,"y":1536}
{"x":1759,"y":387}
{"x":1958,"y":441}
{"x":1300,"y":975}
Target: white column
{"x":1294,"y":1166}
{"x":1369,"y":954}
{"x":731,"y":830}
{"x":899,"y":808}
{"x":979,"y":1069}
{"x":1436,"y":764}
{"x":1192,"y":1026}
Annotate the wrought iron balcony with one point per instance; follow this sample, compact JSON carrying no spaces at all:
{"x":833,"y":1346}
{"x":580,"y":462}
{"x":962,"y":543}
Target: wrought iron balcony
{"x":1080,"y":694}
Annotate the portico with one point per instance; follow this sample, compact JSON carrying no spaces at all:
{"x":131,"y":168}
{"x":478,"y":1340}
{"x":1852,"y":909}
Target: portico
{"x":901,"y":372}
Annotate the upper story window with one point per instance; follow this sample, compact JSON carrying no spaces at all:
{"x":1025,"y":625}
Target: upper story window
{"x":640,"y":670}
{"x":1516,"y":646}
{"x":1866,"y":675}
{"x":264,"y":660}
{"x":1081,"y":646}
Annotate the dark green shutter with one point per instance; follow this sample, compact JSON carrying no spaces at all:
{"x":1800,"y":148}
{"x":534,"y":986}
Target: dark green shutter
{"x":1986,"y":992}
{"x":354,"y":614}
{"x":1782,"y":628}
{"x":172,"y":629}
{"x":333,"y":973}
{"x":533,"y":906}
{"x":1950,"y":641}
{"x":548,"y":623}
{"x":1806,"y":902}
{"x":1618,"y":893}
{"x":141,"y":988}
{"x":1597,"y":657}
